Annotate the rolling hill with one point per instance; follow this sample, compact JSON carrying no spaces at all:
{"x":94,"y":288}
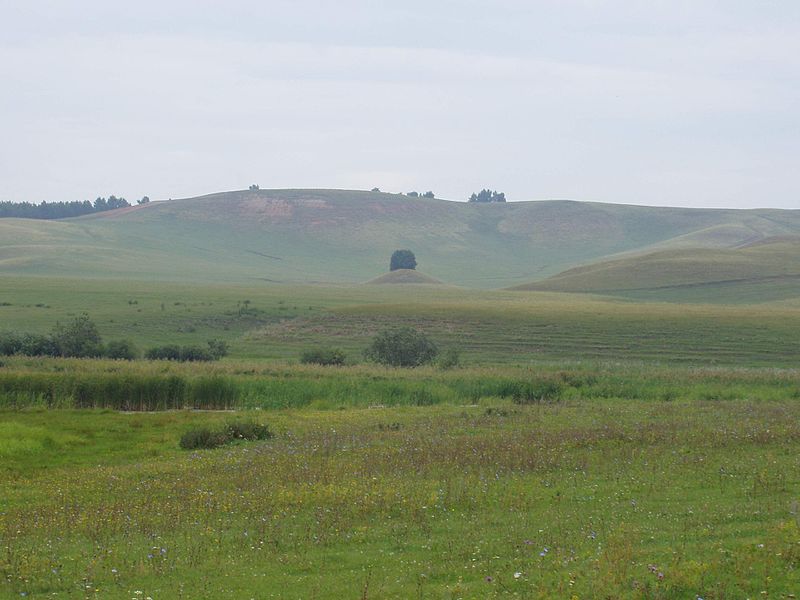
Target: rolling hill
{"x":339,"y":236}
{"x":758,"y":271}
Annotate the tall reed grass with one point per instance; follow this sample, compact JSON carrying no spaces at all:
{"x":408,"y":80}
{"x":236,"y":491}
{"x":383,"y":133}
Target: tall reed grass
{"x":58,"y":383}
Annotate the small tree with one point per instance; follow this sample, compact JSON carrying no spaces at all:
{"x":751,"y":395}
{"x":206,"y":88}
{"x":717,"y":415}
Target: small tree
{"x":402,"y":259}
{"x":254,"y":187}
{"x":144,"y":200}
{"x":401,"y":347}
{"x":428,"y":194}
{"x":412,"y":194}
{"x":376,"y":189}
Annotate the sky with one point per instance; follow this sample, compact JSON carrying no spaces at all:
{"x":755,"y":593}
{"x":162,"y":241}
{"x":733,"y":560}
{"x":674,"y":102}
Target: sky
{"x":659,"y":102}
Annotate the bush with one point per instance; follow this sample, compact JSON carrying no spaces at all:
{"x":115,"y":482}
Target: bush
{"x":121,"y":350}
{"x":401,"y":347}
{"x":168,"y":352}
{"x":206,"y":438}
{"x":450,"y":359}
{"x":195,"y":354}
{"x":248,"y":430}
{"x":216,"y":349}
{"x":323,"y":356}
{"x":10,"y":343}
{"x":203,"y":438}
{"x":78,"y":339}
{"x":28,"y":344}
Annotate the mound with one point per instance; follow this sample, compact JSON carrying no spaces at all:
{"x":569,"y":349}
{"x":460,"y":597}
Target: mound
{"x":405,"y":276}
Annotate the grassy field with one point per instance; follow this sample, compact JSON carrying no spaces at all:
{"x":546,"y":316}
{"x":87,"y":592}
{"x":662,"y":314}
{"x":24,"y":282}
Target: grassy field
{"x":587,"y":447}
{"x":580,"y":499}
{"x":489,"y":327}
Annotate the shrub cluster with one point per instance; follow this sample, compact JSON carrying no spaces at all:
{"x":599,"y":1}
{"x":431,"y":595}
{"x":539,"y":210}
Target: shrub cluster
{"x":323,"y":356}
{"x":207,"y":438}
{"x":78,"y":339}
{"x":401,"y":347}
{"x":215,"y":350}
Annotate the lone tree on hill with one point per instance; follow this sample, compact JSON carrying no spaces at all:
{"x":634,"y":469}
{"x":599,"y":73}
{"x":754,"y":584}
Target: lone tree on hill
{"x":402,"y":259}
{"x":486,"y":196}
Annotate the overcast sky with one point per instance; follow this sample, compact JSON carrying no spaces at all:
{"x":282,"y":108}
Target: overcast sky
{"x":673,"y":102}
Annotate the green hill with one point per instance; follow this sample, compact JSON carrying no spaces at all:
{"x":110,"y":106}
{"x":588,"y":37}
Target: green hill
{"x":338,"y":236}
{"x":765,"y":270}
{"x":404,"y":276}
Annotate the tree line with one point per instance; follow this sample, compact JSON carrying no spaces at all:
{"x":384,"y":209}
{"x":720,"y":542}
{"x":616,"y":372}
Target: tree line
{"x":62,"y":210}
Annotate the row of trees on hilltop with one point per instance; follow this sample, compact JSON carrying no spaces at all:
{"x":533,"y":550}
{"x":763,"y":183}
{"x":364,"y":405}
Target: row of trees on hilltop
{"x":485,"y":196}
{"x":62,"y":210}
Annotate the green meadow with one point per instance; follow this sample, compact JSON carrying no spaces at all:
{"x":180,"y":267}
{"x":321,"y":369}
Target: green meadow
{"x":585,"y":447}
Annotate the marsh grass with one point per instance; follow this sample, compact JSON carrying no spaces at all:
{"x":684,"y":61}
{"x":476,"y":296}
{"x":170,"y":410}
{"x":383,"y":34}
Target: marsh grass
{"x":60,"y":383}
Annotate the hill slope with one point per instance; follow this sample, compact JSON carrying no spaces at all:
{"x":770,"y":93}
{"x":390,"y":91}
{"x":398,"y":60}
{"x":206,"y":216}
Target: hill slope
{"x":345,"y":236}
{"x":404,"y":276}
{"x":764,"y":270}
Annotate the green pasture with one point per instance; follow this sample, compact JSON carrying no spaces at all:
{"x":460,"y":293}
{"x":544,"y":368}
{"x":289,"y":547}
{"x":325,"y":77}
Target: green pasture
{"x":586,"y":447}
{"x":578,"y":499}
{"x":267,"y":321}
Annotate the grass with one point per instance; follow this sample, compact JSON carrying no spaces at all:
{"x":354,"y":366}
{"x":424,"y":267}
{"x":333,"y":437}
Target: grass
{"x":614,"y":498}
{"x":587,"y":447}
{"x":146,"y":386}
{"x":490,"y":327}
{"x":758,"y":272}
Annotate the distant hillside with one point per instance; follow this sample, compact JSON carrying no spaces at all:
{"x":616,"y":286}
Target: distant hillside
{"x":765,"y":270}
{"x":302,"y":236}
{"x":404,"y":276}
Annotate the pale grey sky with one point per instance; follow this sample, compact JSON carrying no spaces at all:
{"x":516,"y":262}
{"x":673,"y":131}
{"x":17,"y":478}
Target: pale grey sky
{"x":665,"y":102}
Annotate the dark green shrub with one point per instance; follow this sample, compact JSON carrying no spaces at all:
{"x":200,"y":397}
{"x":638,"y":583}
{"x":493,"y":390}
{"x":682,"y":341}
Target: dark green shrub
{"x":195,"y":354}
{"x":203,"y":438}
{"x":121,"y":350}
{"x":248,"y":430}
{"x":80,"y":338}
{"x":39,"y":345}
{"x":206,"y":438}
{"x":10,"y":343}
{"x":168,"y":352}
{"x":323,"y":356}
{"x":401,"y":347}
{"x":218,"y":348}
{"x":450,"y":359}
